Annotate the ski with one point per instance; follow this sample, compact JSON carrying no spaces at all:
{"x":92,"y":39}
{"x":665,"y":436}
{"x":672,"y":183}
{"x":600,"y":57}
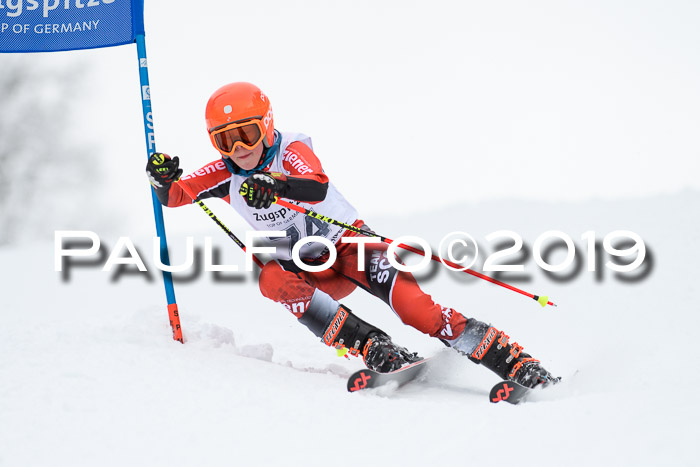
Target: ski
{"x":367,"y":379}
{"x":508,"y":391}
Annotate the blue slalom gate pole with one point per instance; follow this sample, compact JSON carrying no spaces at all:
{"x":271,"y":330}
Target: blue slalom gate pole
{"x":157,"y":207}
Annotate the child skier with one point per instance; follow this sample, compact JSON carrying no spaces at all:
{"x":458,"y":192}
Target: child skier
{"x":270,"y":164}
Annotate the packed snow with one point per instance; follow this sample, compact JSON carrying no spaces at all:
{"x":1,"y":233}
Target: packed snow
{"x":90,"y":374}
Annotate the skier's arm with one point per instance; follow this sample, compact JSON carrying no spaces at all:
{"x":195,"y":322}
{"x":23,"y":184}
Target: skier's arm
{"x":306,"y":180}
{"x":212,"y":180}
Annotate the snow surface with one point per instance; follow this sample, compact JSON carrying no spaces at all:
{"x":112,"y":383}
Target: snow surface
{"x":89,"y":374}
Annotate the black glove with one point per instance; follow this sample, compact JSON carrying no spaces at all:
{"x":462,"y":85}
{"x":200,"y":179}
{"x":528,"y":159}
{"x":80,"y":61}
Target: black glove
{"x":260,"y":190}
{"x":162,"y":170}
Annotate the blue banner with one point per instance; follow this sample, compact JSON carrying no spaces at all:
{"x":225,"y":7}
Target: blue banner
{"x":53,"y":25}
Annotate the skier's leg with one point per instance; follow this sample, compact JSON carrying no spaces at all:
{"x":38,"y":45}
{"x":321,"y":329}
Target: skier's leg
{"x":334,"y":323}
{"x":479,"y":341}
{"x":399,"y":290}
{"x":486,"y":345}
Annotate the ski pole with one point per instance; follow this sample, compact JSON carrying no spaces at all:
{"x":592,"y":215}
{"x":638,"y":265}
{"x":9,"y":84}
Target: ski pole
{"x":209,"y":212}
{"x":542,"y":300}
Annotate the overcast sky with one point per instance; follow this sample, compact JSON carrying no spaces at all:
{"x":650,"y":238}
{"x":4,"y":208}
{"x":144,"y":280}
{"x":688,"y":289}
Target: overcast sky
{"x":405,"y":99}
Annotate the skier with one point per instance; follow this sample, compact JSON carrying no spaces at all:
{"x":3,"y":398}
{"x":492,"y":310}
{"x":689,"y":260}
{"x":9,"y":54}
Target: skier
{"x":269,"y":164}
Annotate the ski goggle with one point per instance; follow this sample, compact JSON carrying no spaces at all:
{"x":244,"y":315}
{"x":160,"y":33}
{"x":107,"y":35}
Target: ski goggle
{"x":247,"y":134}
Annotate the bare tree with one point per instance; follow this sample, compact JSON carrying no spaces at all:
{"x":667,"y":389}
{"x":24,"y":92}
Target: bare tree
{"x":40,"y":164}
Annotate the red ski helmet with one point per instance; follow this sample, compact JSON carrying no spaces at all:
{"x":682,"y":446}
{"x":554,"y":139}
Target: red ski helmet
{"x":239,"y":114}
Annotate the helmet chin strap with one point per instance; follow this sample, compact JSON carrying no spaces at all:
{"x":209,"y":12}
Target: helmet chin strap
{"x":268,"y":154}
